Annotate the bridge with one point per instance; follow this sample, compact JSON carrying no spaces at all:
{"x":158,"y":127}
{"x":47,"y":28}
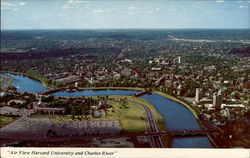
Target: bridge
{"x":141,"y":93}
{"x":53,"y":91}
{"x":173,"y":133}
{"x":185,"y":133}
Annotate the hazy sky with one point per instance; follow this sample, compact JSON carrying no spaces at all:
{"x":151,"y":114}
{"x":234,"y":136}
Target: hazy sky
{"x":79,"y":14}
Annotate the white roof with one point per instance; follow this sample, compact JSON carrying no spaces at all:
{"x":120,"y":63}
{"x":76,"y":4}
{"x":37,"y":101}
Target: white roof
{"x":233,"y":105}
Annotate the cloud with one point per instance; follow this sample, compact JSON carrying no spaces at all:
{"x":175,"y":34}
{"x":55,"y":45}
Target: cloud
{"x":8,"y":6}
{"x":219,"y":1}
{"x":171,"y":9}
{"x":131,"y":13}
{"x":151,"y":11}
{"x":132,"y":8}
{"x":101,"y":11}
{"x":78,"y":1}
{"x":74,"y":4}
{"x":242,"y":6}
{"x":67,"y":6}
{"x":22,"y":3}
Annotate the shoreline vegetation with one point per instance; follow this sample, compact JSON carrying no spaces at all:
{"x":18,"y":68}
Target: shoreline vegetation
{"x":43,"y":80}
{"x":35,"y":76}
{"x":9,"y":82}
{"x":178,"y":101}
{"x":157,"y":115}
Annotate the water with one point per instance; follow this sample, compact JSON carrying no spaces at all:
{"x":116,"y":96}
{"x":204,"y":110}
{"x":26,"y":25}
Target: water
{"x":191,"y":142}
{"x":176,"y":116}
{"x":96,"y":92}
{"x":25,"y":84}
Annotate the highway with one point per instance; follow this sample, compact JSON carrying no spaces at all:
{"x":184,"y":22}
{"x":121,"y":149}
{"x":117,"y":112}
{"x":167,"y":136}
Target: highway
{"x":156,"y":141}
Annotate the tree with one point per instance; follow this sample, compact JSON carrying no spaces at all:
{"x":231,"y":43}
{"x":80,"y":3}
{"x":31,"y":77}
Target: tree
{"x":73,"y":113}
{"x":124,"y":104}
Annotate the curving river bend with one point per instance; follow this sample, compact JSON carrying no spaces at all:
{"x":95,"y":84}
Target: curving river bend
{"x":176,"y":116}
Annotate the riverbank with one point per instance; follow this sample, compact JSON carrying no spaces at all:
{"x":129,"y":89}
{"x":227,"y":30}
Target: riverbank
{"x":178,"y":101}
{"x":5,"y":81}
{"x":113,"y":88}
{"x":34,"y":76}
{"x":143,"y":89}
{"x":157,"y":115}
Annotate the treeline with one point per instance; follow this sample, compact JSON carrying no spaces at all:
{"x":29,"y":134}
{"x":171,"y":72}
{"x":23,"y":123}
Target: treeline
{"x":73,"y":106}
{"x":53,"y":53}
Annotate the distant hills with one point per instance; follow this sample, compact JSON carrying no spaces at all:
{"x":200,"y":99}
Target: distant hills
{"x":142,"y":34}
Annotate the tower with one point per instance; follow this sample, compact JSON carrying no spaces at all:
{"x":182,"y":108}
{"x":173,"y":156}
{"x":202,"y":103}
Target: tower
{"x":198,"y":95}
{"x":217,"y":100}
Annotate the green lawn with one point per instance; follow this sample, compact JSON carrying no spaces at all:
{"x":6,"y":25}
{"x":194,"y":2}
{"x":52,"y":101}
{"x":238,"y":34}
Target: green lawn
{"x":4,"y":120}
{"x":132,"y":118}
{"x":152,"y":108}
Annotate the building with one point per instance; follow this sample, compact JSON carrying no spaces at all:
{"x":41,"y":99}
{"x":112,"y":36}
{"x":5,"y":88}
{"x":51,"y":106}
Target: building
{"x":76,"y":84}
{"x":117,"y":76}
{"x":168,"y":84}
{"x":126,"y":72}
{"x":180,"y":90}
{"x":156,"y":69}
{"x":48,"y":110}
{"x":179,"y":59}
{"x":198,"y":95}
{"x":16,"y":101}
{"x":6,"y":110}
{"x":217,"y":100}
{"x":104,"y":105}
{"x":247,"y":84}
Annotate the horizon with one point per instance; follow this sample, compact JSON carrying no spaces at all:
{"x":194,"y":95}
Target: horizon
{"x":104,"y":29}
{"x":108,"y":14}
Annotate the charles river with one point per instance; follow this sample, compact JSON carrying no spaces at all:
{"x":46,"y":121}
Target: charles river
{"x":176,"y":116}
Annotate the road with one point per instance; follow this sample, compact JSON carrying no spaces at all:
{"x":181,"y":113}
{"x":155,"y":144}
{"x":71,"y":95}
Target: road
{"x":156,"y":141}
{"x":152,"y":129}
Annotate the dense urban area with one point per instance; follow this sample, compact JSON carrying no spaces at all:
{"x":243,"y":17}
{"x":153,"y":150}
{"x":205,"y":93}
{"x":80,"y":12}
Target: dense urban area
{"x":208,"y":71}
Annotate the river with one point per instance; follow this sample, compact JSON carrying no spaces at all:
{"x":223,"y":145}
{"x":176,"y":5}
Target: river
{"x":176,"y":116}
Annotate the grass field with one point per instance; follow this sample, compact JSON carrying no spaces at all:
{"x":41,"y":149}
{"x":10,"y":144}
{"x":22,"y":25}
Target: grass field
{"x":152,"y":108}
{"x":4,"y":120}
{"x":132,"y":117}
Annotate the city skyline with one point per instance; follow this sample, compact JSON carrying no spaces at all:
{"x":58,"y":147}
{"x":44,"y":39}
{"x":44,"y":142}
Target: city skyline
{"x":78,"y":14}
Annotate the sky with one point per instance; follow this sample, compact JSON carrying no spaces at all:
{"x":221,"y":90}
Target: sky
{"x":124,"y":14}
